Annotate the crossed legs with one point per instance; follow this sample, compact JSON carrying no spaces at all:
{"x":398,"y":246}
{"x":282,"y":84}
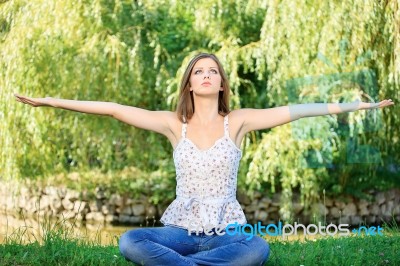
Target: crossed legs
{"x":173,"y":246}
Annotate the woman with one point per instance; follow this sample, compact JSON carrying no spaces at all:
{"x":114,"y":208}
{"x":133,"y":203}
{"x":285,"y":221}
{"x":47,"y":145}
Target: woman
{"x":206,"y":137}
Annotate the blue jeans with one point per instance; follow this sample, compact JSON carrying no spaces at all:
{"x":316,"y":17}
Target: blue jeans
{"x":171,"y":245}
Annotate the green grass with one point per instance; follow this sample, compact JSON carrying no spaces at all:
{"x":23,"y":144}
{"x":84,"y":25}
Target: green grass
{"x":56,"y":248}
{"x":383,"y":250}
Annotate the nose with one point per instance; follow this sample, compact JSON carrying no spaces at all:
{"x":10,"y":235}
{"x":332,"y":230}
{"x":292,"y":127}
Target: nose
{"x":206,"y":74}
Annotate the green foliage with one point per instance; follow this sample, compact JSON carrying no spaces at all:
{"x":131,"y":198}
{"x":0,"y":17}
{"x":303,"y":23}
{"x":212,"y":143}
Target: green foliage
{"x":134,"y":53}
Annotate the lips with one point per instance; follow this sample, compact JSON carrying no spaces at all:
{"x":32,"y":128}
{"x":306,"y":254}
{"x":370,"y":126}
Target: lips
{"x":206,"y":83}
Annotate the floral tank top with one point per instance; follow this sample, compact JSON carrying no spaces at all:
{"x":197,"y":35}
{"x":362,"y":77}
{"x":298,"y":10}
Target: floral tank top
{"x":206,"y":184}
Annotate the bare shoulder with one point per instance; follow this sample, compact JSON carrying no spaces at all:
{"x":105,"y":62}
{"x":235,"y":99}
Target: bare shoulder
{"x":236,"y":123}
{"x":237,"y":117}
{"x":174,"y":125}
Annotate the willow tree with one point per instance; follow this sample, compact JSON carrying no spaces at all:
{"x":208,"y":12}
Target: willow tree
{"x":325,"y":51}
{"x":134,"y":53}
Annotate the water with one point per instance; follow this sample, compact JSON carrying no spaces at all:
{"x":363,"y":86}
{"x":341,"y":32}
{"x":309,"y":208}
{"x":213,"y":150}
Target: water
{"x":28,"y":230}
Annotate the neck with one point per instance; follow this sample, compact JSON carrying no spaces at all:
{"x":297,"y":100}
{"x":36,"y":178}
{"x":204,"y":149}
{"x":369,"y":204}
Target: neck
{"x":206,"y":110}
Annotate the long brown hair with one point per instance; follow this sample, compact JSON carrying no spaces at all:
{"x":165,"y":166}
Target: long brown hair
{"x":186,"y":108}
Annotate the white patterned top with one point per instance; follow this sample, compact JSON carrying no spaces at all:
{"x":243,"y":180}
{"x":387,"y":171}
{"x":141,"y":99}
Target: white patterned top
{"x":206,"y":184}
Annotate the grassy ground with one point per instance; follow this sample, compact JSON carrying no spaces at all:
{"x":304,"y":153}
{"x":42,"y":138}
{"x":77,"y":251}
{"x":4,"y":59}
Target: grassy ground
{"x":58,"y":249}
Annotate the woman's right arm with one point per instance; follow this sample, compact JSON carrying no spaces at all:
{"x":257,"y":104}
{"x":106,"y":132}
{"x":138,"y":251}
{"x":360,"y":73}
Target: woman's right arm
{"x":150,"y":120}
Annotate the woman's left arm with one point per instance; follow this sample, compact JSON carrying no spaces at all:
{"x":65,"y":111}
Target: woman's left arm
{"x":256,"y":119}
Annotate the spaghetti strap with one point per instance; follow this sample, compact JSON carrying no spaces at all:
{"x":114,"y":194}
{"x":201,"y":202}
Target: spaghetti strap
{"x":184,"y":125}
{"x":226,"y":126}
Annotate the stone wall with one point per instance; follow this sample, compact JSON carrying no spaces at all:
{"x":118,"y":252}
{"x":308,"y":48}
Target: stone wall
{"x":384,"y":207}
{"x":63,"y":203}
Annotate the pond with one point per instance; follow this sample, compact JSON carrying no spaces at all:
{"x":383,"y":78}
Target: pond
{"x":27,"y":230}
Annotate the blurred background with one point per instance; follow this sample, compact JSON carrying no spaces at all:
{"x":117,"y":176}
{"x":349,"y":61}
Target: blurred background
{"x":134,"y":53}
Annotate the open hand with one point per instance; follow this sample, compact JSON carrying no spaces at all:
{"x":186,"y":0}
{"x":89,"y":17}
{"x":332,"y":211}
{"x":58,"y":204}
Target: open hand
{"x":35,"y":102}
{"x":381,"y":104}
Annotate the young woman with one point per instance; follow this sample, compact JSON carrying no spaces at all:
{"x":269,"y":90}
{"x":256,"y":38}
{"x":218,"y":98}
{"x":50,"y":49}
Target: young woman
{"x":206,"y":137}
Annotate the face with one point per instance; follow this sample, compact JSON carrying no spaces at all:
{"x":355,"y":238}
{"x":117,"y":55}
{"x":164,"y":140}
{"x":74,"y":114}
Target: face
{"x":205,"y":77}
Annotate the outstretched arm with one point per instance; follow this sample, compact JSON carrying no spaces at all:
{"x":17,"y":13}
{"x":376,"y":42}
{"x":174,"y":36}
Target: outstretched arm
{"x":256,"y":119}
{"x":151,"y":120}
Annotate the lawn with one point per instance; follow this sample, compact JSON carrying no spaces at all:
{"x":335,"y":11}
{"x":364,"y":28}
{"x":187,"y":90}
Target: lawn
{"x":56,"y":248}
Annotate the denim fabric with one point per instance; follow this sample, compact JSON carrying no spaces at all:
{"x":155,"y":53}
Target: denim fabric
{"x":171,"y":245}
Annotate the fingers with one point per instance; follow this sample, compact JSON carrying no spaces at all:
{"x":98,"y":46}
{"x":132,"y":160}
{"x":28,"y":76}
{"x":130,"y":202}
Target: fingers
{"x":381,"y":104}
{"x":25,"y":100}
{"x":386,"y":103}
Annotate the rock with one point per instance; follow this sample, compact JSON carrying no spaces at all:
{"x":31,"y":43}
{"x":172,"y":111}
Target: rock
{"x":100,"y":193}
{"x":95,"y":206}
{"x":78,"y":217}
{"x":108,"y":209}
{"x":363,"y":211}
{"x":161,"y":208}
{"x":95,"y":216}
{"x":130,"y":219}
{"x":151,"y":211}
{"x":335,"y":212}
{"x":350,"y":209}
{"x":272,"y":209}
{"x":374,"y":209}
{"x":62,"y":191}
{"x":80,"y":207}
{"x":273,"y":216}
{"x":371,"y":219}
{"x":127,"y":210}
{"x":65,"y":215}
{"x":109,"y":218}
{"x":391,"y":194}
{"x":105,"y":210}
{"x":116,"y":200}
{"x":243,"y":198}
{"x":22,"y":202}
{"x":72,"y":195}
{"x":44,"y":202}
{"x":328,"y":202}
{"x":396,"y":210}
{"x":389,"y":207}
{"x":56,"y":205}
{"x":251,"y":208}
{"x":319,"y":209}
{"x":363,"y":204}
{"x":356,"y":220}
{"x":130,"y":201}
{"x":345,"y":220}
{"x":257,"y":195}
{"x":138,"y":209}
{"x":264,"y":203}
{"x":276,"y":200}
{"x":31,"y":206}
{"x":380,"y":198}
{"x":260,"y":215}
{"x":42,"y":213}
{"x":297,"y":208}
{"x":68,"y":205}
{"x":340,"y":204}
{"x":250,"y":217}
{"x":51,"y":191}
